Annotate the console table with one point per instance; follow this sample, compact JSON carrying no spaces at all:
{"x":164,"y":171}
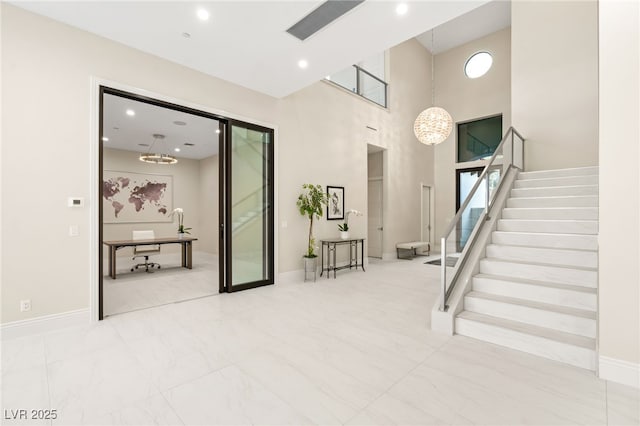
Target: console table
{"x":331,"y":245}
{"x":185,"y":242}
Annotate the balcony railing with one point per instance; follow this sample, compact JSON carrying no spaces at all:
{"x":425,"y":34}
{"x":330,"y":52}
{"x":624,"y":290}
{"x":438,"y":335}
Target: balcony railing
{"x":363,"y":83}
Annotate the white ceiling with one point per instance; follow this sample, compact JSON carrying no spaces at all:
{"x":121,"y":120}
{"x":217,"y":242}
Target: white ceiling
{"x":127,"y":132}
{"x":245,"y":41}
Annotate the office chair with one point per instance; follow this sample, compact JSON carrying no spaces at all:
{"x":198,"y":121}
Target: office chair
{"x":145,"y":251}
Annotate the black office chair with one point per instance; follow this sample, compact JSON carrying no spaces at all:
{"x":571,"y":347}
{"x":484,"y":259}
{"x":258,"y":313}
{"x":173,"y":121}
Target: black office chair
{"x":145,"y":251}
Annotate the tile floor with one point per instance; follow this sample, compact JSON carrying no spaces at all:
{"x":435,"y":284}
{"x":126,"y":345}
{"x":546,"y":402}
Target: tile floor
{"x":131,"y":291}
{"x":356,"y":350}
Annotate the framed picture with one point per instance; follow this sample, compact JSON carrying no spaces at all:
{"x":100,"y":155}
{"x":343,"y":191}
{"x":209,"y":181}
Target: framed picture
{"x":335,"y":206}
{"x":136,"y":197}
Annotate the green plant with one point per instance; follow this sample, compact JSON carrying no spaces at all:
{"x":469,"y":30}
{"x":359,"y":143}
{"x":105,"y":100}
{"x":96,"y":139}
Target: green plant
{"x":310,"y":203}
{"x":344,"y":227}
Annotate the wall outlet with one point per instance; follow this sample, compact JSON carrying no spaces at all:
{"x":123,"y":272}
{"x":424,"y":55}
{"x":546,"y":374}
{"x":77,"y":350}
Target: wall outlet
{"x":25,"y":305}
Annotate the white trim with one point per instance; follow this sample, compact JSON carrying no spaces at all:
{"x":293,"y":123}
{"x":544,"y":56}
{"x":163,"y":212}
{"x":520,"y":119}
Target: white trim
{"x":619,"y":371}
{"x":432,"y":212}
{"x":94,"y":96}
{"x":29,"y":327}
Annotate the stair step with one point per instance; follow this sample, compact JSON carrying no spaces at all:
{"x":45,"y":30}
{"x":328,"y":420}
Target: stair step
{"x":540,"y":174}
{"x":568,"y":213}
{"x":556,"y":345}
{"x":586,"y":277}
{"x":555,"y":191}
{"x":589,"y":227}
{"x":556,"y":181}
{"x":564,"y":201}
{"x":542,"y":239}
{"x":555,"y":317}
{"x":565,"y":257}
{"x":538,"y":291}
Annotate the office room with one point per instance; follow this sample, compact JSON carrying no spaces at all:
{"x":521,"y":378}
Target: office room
{"x":159,"y":171}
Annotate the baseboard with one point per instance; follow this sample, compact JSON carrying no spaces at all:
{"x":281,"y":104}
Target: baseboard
{"x":389,"y":256}
{"x":44,"y":324}
{"x":619,"y":371}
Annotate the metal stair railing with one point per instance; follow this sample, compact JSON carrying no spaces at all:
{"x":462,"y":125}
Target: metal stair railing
{"x":462,"y":230}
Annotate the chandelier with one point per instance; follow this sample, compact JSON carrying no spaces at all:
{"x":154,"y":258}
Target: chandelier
{"x":154,"y":158}
{"x":433,"y":125}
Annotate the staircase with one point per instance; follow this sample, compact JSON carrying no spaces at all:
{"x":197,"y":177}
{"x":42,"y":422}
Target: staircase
{"x":536,"y":290}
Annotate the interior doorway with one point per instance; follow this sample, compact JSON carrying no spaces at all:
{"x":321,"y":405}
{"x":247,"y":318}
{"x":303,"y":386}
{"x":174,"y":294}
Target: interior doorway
{"x":375,"y":201}
{"x":155,"y":175}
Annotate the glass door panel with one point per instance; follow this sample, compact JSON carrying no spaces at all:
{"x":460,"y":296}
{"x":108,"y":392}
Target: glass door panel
{"x":249,"y":227}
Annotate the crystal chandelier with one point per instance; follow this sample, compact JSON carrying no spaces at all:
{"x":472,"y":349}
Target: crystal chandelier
{"x":433,"y":125}
{"x":154,"y":158}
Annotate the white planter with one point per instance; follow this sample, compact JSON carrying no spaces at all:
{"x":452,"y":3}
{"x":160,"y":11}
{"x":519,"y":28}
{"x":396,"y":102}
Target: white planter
{"x":344,"y":235}
{"x":180,"y":235}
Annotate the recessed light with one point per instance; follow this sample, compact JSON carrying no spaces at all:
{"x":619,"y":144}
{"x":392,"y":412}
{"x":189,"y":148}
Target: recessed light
{"x":179,"y":123}
{"x":186,"y":35}
{"x":176,"y":149}
{"x":131,"y":112}
{"x":203,"y":15}
{"x":401,"y":9}
{"x":328,"y":78}
{"x":302,"y":63}
{"x":105,"y":139}
{"x":218,"y":131}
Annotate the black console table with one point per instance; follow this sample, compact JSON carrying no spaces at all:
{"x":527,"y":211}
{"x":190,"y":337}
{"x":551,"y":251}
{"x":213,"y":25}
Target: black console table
{"x":331,"y":245}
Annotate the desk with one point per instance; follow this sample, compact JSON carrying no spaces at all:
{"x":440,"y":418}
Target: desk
{"x":114,"y":246}
{"x":331,"y":244}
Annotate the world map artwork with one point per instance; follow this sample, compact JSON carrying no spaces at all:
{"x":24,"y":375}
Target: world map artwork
{"x":135,"y":197}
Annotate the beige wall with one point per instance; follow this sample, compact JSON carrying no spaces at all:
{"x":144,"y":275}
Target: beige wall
{"x":374,"y":165}
{"x":619,"y":235}
{"x":554,"y":81}
{"x":322,"y":137}
{"x":467,"y":99}
{"x":209,"y":196}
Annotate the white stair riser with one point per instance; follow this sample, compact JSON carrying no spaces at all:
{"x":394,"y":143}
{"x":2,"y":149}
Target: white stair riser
{"x":537,"y":293}
{"x":559,"y":181}
{"x":587,"y":259}
{"x":580,"y":171}
{"x":562,"y":213}
{"x":539,"y":202}
{"x":574,"y":355}
{"x":549,"y":226}
{"x":556,"y":191}
{"x":568,"y":241}
{"x":545,"y":273}
{"x":538,"y":317}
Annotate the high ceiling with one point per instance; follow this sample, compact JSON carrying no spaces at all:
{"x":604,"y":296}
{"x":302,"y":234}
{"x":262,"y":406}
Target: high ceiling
{"x":245,"y":42}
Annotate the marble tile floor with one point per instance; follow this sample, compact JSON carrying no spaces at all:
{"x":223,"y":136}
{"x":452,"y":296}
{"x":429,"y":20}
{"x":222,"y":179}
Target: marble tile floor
{"x":132,"y":291}
{"x":356,"y":350}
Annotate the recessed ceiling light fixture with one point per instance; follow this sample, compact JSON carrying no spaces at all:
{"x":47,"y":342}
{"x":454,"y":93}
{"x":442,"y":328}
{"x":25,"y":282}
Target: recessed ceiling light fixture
{"x":402,"y":9}
{"x":478,"y":64}
{"x":186,"y":35}
{"x":218,"y":131}
{"x":203,"y":14}
{"x":105,"y":139}
{"x":176,"y":149}
{"x":131,"y":112}
{"x":153,"y":158}
{"x":303,"y":64}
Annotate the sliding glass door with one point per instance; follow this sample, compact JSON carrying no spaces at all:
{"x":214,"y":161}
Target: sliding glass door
{"x":248,"y":223}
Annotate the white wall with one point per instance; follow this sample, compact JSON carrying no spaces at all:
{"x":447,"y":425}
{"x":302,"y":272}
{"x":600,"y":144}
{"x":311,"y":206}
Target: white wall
{"x":619,"y":234}
{"x":554,"y":81}
{"x":209,"y":200}
{"x":46,"y":115}
{"x":467,"y":99}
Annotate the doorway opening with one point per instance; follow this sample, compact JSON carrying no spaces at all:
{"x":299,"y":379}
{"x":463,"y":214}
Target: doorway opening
{"x":163,"y":166}
{"x":375,"y":201}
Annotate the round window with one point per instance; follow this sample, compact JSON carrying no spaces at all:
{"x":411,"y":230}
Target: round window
{"x":478,"y":64}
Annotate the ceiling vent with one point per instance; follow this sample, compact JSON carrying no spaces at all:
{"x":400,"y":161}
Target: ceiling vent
{"x":322,"y":16}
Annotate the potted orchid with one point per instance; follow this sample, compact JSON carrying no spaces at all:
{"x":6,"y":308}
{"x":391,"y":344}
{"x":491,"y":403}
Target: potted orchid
{"x":179,"y":213}
{"x":344,"y":227}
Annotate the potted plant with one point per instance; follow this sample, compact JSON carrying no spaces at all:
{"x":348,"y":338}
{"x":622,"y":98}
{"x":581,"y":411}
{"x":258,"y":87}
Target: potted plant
{"x":181,"y":229}
{"x":344,"y":227}
{"x":310,"y":203}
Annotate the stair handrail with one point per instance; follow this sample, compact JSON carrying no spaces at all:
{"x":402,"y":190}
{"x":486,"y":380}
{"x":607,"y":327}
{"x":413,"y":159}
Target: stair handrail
{"x":508,"y":136}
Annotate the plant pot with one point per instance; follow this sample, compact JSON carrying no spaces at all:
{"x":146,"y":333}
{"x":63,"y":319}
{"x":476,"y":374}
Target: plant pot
{"x":310,"y":268}
{"x":180,"y":235}
{"x":344,"y":235}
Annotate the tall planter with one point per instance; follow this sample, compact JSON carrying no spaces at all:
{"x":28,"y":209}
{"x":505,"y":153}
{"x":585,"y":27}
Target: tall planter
{"x":310,"y":268}
{"x":310,"y":203}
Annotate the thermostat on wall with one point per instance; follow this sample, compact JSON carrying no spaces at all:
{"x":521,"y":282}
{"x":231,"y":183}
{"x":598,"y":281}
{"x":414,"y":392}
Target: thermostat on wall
{"x":76,"y":202}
